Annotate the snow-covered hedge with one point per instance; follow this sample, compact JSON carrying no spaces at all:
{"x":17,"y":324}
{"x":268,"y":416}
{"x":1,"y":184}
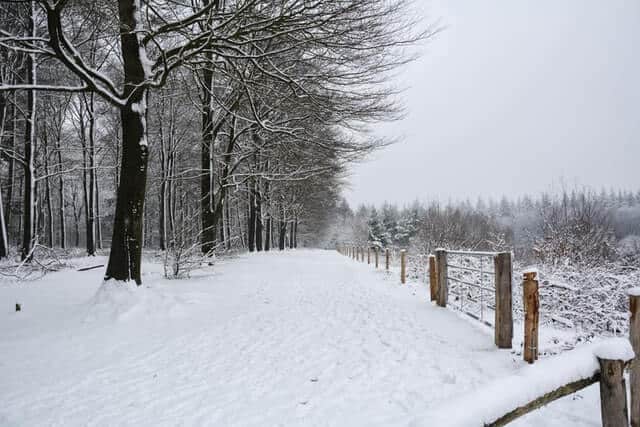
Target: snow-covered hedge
{"x":590,"y":301}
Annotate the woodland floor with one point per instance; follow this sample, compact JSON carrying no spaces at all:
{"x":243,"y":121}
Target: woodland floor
{"x":305,"y":337}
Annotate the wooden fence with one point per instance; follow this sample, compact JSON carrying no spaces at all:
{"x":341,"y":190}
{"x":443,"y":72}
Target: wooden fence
{"x":610,"y":369}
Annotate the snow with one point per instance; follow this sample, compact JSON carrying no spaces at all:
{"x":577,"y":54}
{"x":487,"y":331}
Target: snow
{"x":634,"y":292}
{"x":296,"y":338}
{"x":615,"y":349}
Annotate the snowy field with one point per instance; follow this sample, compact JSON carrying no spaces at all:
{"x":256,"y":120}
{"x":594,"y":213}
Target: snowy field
{"x":296,"y":338}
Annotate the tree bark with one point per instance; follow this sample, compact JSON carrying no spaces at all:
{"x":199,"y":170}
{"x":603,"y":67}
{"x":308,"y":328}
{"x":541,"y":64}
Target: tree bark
{"x":227,"y":224}
{"x":282,"y":229}
{"x":11,"y":176}
{"x":291,"y":233}
{"x":61,"y":195}
{"x":259,"y":226}
{"x":251,"y":229}
{"x":88,"y":185}
{"x":4,"y":243}
{"x":126,"y":243}
{"x":206,"y":178}
{"x":91,"y":228}
{"x":47,"y":190}
{"x":162,"y":201}
{"x":29,"y":151}
{"x":267,"y":237}
{"x":76,"y":216}
{"x":98,"y":218}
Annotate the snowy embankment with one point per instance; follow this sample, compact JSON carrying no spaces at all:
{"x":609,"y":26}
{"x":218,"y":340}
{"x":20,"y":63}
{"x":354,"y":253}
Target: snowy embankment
{"x":296,"y":338}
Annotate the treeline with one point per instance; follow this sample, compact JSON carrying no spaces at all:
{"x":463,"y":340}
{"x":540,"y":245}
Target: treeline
{"x":192,"y":127}
{"x":579,"y":227}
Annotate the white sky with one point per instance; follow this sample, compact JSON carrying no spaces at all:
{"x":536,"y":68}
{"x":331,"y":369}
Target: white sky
{"x":512,"y":98}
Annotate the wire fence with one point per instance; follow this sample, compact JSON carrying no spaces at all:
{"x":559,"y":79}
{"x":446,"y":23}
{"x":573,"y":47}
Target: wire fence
{"x":471,"y":283}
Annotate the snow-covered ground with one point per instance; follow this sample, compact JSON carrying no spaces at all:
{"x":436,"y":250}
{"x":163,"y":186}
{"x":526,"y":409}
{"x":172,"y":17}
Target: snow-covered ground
{"x":296,"y":338}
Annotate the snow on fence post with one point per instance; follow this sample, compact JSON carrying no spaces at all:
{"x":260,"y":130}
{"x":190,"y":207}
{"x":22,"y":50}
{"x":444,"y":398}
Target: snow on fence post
{"x":503,"y":331}
{"x":613,"y":392}
{"x":386,"y":261}
{"x":634,"y":337}
{"x":376,"y":255}
{"x":403,"y":266}
{"x":433,"y":278}
{"x":531,"y":316}
{"x":441,"y":275}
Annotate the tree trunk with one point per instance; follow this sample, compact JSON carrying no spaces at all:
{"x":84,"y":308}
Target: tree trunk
{"x":227,"y":223}
{"x":61,"y":195}
{"x":4,"y":243}
{"x":267,"y":237}
{"x":29,"y":151}
{"x":163,"y":214}
{"x":76,"y":216}
{"x":243,"y":240}
{"x":98,"y":217}
{"x":282,"y":228}
{"x":162,"y":200}
{"x":295,"y":233}
{"x":91,"y":202}
{"x":126,"y":243}
{"x":291,"y":233}
{"x":87,"y":181}
{"x":206,"y":178}
{"x":258,"y":219}
{"x":251,"y":228}
{"x":47,"y":190}
{"x":11,"y":176}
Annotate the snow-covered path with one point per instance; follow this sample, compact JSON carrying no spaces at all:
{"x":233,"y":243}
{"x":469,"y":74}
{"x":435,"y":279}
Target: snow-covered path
{"x":300,"y":338}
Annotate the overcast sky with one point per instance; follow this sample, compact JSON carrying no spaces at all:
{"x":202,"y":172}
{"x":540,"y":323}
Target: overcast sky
{"x":514,"y":97}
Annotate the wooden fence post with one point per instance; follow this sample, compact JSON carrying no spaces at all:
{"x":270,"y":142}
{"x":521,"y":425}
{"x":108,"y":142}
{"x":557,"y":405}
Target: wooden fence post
{"x":441,"y":275}
{"x":376,"y":256}
{"x":403,"y":266}
{"x":368,"y":255}
{"x":634,"y":337}
{"x":503,"y":331}
{"x":531,"y":316}
{"x":613,"y":394}
{"x":433,"y":278}
{"x":386,"y":261}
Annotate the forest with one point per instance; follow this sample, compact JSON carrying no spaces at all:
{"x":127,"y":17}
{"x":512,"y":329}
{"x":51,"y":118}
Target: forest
{"x":578,"y":227}
{"x":192,"y":127}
